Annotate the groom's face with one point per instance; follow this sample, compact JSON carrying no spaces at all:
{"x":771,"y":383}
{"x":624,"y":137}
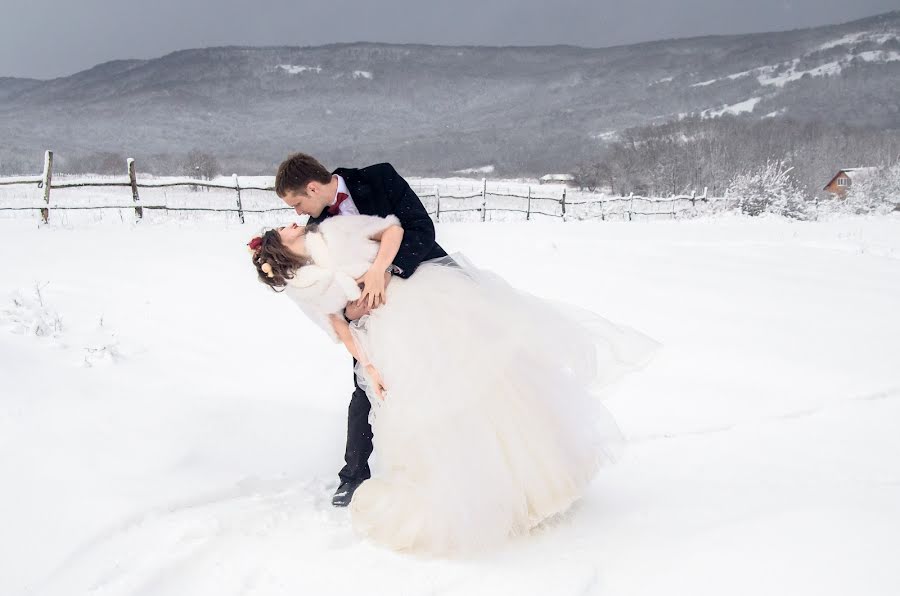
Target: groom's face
{"x":312,"y":202}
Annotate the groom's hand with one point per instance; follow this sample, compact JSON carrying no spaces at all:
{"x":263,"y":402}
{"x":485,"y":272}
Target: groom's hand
{"x":374,"y":283}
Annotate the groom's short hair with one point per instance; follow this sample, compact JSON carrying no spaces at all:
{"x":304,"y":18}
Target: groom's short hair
{"x":297,"y":171}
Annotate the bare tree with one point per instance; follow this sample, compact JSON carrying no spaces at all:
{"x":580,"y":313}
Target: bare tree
{"x":588,"y":175}
{"x":202,"y":165}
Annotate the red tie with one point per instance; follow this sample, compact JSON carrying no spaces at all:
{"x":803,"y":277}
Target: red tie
{"x":341,"y":197}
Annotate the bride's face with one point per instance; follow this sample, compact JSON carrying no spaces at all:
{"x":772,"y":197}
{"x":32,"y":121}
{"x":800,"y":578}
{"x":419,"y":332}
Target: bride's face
{"x":293,"y":237}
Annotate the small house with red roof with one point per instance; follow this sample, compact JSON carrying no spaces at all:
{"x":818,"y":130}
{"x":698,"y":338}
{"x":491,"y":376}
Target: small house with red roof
{"x":841,"y":182}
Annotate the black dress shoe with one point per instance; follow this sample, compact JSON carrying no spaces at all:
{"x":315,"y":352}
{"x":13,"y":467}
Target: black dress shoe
{"x":344,"y":493}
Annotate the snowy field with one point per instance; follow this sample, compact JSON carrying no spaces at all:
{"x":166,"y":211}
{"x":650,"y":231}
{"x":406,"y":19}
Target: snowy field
{"x":168,"y":426}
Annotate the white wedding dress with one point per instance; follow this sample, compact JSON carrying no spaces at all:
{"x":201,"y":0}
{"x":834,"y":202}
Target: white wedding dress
{"x":491,"y":422}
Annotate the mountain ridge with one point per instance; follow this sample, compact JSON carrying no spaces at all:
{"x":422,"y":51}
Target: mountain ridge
{"x":524,"y":109}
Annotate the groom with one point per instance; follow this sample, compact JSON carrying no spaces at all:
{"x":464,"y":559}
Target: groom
{"x":308,"y":188}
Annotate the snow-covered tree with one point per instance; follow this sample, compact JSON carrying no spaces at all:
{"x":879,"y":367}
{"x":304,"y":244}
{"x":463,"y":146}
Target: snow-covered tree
{"x":769,"y":189}
{"x":877,"y":192}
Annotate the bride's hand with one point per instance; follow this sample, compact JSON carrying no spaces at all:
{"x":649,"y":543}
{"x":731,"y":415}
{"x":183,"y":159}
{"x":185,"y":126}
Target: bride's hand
{"x":377,"y":381}
{"x":374,"y":282}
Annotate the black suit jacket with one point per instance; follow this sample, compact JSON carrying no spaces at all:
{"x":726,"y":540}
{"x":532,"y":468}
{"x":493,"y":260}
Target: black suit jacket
{"x":380,"y":190}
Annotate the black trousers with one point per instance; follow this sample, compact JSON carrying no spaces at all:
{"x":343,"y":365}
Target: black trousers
{"x":359,"y":437}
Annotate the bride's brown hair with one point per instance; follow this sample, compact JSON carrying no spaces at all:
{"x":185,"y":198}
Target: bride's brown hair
{"x":282,"y":263}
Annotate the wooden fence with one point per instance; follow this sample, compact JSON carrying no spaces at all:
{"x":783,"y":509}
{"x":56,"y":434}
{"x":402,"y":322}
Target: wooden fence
{"x":629,"y":207}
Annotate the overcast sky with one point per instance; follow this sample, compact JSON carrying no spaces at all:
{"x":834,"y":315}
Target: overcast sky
{"x":56,"y":38}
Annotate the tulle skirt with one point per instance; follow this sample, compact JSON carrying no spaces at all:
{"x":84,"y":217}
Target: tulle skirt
{"x":491,"y":422}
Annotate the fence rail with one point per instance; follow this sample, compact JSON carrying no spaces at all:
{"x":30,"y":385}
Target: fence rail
{"x":442,"y":202}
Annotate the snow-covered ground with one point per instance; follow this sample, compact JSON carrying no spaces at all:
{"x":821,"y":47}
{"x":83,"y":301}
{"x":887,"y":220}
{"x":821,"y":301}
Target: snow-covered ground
{"x":168,"y":426}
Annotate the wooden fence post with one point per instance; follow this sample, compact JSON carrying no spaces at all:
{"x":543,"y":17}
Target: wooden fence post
{"x":630,"y":204}
{"x":483,"y":199}
{"x":138,"y":210}
{"x":528,"y":211}
{"x":437,"y":196}
{"x":563,"y":204}
{"x":237,"y":188}
{"x":46,"y":181}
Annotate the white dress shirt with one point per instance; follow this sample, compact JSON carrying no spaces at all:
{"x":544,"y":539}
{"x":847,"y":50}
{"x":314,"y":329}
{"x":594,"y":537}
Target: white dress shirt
{"x":347,"y":207}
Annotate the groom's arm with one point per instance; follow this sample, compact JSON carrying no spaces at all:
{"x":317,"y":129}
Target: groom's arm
{"x":418,"y":229}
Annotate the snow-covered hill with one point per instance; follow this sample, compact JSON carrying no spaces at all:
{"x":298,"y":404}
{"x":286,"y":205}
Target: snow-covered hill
{"x":440,"y":109}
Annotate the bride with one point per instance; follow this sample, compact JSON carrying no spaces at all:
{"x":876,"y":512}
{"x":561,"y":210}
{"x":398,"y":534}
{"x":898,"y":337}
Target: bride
{"x":484,"y":398}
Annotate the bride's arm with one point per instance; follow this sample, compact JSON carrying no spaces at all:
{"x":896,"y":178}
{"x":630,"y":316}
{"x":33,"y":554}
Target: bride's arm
{"x":342,"y":329}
